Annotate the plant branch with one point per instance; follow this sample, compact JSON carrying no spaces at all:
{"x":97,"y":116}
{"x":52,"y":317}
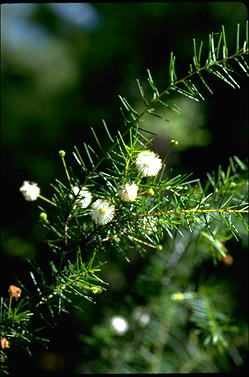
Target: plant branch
{"x":173,"y":211}
{"x":166,"y":91}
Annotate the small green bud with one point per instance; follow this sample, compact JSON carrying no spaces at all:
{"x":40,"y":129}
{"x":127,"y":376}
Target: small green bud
{"x":174,"y":142}
{"x":43,"y":216}
{"x":62,"y":153}
{"x":159,"y":247}
{"x":96,"y":290}
{"x":150,"y":191}
{"x":117,"y":239}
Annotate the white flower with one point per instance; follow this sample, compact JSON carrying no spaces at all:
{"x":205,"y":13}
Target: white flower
{"x":119,"y":324}
{"x":84,"y":197}
{"x":102,"y":212}
{"x":30,"y":190}
{"x":129,"y":192}
{"x":148,"y":163}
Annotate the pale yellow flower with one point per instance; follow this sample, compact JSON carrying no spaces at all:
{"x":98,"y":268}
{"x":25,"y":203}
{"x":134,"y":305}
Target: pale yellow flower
{"x":129,"y":192}
{"x":84,"y":197}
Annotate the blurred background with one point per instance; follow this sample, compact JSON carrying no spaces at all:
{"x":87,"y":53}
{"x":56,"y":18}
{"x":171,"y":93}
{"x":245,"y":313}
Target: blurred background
{"x":63,"y":66}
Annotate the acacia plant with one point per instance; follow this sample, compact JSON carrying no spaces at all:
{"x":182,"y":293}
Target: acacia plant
{"x":134,"y":201}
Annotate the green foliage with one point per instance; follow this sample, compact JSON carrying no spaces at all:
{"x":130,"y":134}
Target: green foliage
{"x":165,"y":207}
{"x":178,"y":317}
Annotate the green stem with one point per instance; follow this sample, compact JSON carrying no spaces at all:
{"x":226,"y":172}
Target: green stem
{"x":47,"y":200}
{"x":66,"y":170}
{"x":9,"y":308}
{"x":144,"y":243}
{"x":173,"y":211}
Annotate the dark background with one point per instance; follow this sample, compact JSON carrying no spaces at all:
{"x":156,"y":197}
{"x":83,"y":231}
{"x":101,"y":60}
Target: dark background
{"x":63,"y":67}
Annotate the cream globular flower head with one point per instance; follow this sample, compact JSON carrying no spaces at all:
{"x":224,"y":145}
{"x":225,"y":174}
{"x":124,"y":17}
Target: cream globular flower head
{"x":84,"y":197}
{"x":129,"y":192}
{"x":102,"y":211}
{"x":148,"y":163}
{"x":30,"y":190}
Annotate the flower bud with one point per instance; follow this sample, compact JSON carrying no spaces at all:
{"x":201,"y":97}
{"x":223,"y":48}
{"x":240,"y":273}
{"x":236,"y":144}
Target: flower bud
{"x":44,"y":216}
{"x":150,"y":192}
{"x":117,"y":239}
{"x":62,"y":153}
{"x":129,"y":192}
{"x":4,"y":343}
{"x":96,"y":290}
{"x":228,"y":260}
{"x":14,"y":291}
